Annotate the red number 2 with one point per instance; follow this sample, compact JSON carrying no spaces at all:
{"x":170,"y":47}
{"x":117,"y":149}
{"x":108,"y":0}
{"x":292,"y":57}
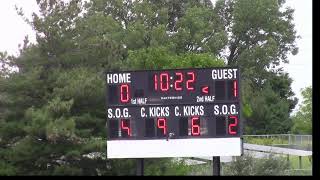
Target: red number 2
{"x":192,"y":75}
{"x":233,"y":125}
{"x":178,"y":87}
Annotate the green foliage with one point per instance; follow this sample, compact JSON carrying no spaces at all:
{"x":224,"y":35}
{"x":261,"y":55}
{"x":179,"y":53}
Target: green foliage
{"x":203,"y":169}
{"x":52,"y":111}
{"x":260,"y":35}
{"x":166,"y":167}
{"x":306,"y":162}
{"x":162,"y":58}
{"x":65,"y":170}
{"x":247,"y":165}
{"x":267,"y":109}
{"x":265,"y":141}
{"x":302,"y":120}
{"x":7,"y":169}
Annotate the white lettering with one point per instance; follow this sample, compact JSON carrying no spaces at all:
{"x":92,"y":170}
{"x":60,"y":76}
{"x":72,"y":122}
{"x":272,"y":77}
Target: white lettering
{"x":224,"y":74}
{"x":176,"y":111}
{"x":235,"y":73}
{"x":224,"y":109}
{"x":233,"y":109}
{"x":118,"y":78}
{"x":159,"y":111}
{"x":109,"y":113}
{"x":214,"y":74}
{"x":216,"y":109}
{"x":229,"y":73}
{"x":125,"y":112}
{"x":193,"y":110}
{"x":118,"y":113}
{"x":142,"y":112}
{"x":109,"y":78}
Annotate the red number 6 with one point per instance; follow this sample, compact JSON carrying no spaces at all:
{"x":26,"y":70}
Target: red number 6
{"x":195,"y":123}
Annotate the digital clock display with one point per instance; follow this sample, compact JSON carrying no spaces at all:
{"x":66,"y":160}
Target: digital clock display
{"x":173,"y":104}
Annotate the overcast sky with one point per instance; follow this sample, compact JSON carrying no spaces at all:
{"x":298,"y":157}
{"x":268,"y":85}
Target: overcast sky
{"x":14,"y":29}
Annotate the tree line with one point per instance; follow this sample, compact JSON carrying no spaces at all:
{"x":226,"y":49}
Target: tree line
{"x":52,"y":108}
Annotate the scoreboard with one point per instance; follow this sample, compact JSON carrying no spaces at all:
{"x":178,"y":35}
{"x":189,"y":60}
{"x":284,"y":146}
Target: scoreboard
{"x":173,"y":113}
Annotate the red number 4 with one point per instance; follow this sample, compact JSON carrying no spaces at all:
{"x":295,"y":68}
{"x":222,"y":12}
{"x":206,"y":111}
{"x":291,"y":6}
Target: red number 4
{"x":125,"y":125}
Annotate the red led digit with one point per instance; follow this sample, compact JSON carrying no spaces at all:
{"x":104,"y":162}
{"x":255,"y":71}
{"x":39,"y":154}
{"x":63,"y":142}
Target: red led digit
{"x":233,"y":125}
{"x":235,"y":88}
{"x":178,"y":87}
{"x":164,"y":81}
{"x":195,"y":124}
{"x":125,"y":125}
{"x":155,"y":78}
{"x":161,"y":123}
{"x":190,"y":81}
{"x":124,"y":93}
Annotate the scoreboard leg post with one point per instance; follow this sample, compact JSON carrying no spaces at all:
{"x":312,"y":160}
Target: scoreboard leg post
{"x":216,"y":165}
{"x":140,"y":167}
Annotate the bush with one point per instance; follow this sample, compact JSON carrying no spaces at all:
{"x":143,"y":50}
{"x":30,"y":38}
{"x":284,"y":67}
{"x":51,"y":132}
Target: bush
{"x":166,"y":167}
{"x":247,"y":165}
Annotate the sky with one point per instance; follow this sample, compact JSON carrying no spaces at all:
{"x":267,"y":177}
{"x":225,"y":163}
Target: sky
{"x":14,"y":29}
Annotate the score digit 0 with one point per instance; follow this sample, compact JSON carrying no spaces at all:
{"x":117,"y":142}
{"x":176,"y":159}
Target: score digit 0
{"x":124,"y":93}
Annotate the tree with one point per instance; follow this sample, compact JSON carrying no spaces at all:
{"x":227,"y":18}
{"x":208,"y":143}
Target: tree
{"x":267,"y":110}
{"x":52,"y":108}
{"x":54,"y":116}
{"x":260,"y":35}
{"x":302,"y":120}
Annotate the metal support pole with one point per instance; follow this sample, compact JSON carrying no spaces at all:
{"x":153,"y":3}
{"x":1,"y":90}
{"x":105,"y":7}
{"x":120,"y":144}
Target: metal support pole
{"x":216,"y":165}
{"x":289,"y":139}
{"x":300,"y":162}
{"x":140,"y":167}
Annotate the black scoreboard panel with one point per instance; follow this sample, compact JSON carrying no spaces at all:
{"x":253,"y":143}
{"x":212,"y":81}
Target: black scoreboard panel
{"x":180,"y":104}
{"x":172,"y":87}
{"x":183,"y":121}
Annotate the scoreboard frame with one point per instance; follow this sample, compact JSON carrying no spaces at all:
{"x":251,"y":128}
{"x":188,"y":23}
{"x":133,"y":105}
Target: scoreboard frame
{"x":175,"y":146}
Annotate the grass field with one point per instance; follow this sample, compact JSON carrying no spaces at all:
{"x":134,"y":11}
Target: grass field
{"x":306,"y":162}
{"x":305,"y":144}
{"x":306,"y":169}
{"x":206,"y":169}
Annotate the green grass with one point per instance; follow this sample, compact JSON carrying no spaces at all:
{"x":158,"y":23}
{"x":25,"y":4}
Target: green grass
{"x":206,"y":169}
{"x":265,"y":141}
{"x":274,"y":141}
{"x":306,"y":162}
